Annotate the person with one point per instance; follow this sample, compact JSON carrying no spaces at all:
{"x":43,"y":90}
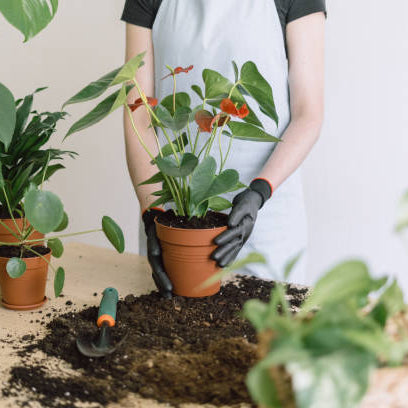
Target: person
{"x":285,"y":39}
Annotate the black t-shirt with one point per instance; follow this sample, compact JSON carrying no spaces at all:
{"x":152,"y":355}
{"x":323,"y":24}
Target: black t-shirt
{"x":143,"y":12}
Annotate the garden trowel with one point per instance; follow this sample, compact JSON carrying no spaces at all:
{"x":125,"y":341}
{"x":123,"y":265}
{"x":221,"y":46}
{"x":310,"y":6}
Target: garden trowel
{"x":101,"y":346}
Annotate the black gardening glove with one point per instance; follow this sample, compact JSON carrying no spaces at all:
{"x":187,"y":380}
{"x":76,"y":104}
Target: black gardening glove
{"x":154,"y":254}
{"x":241,"y":221}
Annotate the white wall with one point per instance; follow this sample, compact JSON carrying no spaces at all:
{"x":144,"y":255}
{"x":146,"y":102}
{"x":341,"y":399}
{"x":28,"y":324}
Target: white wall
{"x":353,"y":178}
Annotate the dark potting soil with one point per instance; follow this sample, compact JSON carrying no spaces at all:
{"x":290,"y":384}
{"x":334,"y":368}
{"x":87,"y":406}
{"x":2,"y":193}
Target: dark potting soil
{"x":211,"y":220}
{"x":5,"y":213}
{"x":8,"y":251}
{"x":177,"y":351}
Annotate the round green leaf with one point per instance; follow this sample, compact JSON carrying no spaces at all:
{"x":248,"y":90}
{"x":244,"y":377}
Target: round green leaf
{"x":114,"y":233}
{"x":16,"y":267}
{"x":7,"y":115}
{"x":168,"y":165}
{"x":59,"y":280}
{"x":44,"y":210}
{"x":56,"y":247}
{"x":63,"y":224}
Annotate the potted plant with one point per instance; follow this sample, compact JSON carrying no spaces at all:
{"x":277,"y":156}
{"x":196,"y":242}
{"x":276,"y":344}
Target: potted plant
{"x":191,"y":180}
{"x":24,"y":263}
{"x":23,"y":158}
{"x":323,"y":356}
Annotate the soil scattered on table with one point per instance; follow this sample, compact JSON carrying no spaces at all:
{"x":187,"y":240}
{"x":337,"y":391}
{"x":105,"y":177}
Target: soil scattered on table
{"x":176,"y":351}
{"x":211,"y":220}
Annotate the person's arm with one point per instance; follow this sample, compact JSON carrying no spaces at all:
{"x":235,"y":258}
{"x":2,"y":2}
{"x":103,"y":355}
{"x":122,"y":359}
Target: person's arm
{"x":305,"y":43}
{"x":139,"y":39}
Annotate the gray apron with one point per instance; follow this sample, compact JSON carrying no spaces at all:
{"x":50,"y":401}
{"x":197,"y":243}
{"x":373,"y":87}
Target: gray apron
{"x":210,"y":34}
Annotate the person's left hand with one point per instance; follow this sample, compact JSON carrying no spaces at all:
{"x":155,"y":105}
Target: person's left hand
{"x":241,"y":221}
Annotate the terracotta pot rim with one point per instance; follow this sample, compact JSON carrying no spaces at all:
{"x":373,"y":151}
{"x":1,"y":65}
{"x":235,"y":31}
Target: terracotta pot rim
{"x":25,"y":307}
{"x":187,"y":229}
{"x":31,"y":257}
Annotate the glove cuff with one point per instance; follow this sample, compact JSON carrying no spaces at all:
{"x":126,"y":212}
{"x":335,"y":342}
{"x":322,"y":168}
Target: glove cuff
{"x":263,"y":187}
{"x":149,"y":215}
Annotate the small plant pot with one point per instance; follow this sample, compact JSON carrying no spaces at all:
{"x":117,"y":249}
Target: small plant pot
{"x":28,"y":291}
{"x":5,"y":235}
{"x":186,"y":259}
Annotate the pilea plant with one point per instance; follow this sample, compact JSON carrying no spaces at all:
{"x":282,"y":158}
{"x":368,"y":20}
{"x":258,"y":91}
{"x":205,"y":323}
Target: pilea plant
{"x":45,"y":213}
{"x":23,"y":133}
{"x":322,"y":356}
{"x":189,"y":174}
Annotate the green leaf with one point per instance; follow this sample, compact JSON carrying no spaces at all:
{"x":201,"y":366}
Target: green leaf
{"x":236,"y":70}
{"x":114,"y":233}
{"x":247,"y":131}
{"x":201,"y":180}
{"x":256,"y":312}
{"x":100,"y":112}
{"x":262,"y":388}
{"x":182,"y":140}
{"x":94,"y":89}
{"x":15,"y":267}
{"x":59,"y":281}
{"x":121,"y":99}
{"x":23,"y":112}
{"x":29,"y":17}
{"x":198,"y":91}
{"x":257,"y":86}
{"x":63,"y":224}
{"x":219,"y":204}
{"x":165,"y":198}
{"x":336,"y":380}
{"x":182,"y":100}
{"x":44,"y":210}
{"x":128,"y":71}
{"x":348,"y":280}
{"x":169,"y":166}
{"x":157,"y":178}
{"x":56,"y":247}
{"x":1,"y":178}
{"x":223,"y":183}
{"x":37,"y":179}
{"x":176,"y":123}
{"x":7,"y":115}
{"x":402,"y":213}
{"x":291,"y":264}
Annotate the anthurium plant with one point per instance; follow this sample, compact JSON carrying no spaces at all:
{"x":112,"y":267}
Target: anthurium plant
{"x":45,"y":213}
{"x":23,"y":158}
{"x":323,"y":355}
{"x":190,"y":177}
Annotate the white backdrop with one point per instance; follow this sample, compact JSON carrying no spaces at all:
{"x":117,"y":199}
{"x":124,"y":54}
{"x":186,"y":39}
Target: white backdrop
{"x":353,"y":178}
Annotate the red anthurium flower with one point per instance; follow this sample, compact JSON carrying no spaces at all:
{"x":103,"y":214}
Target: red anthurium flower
{"x":221,"y":119}
{"x":179,"y":70}
{"x":229,"y":107}
{"x":204,"y":120}
{"x":138,"y":102}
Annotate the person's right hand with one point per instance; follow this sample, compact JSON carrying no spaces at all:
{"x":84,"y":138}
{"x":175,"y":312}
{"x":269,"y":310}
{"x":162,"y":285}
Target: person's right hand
{"x":154,"y":254}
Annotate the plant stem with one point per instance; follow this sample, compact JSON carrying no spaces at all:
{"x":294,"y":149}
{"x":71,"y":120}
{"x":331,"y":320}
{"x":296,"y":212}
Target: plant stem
{"x":229,"y":148}
{"x":189,"y":136}
{"x":9,"y":230}
{"x":196,"y":141}
{"x":11,"y":212}
{"x":45,"y":170}
{"x":63,"y":235}
{"x":232,"y":89}
{"x":137,"y":133}
{"x":212,"y":138}
{"x":174,"y":93}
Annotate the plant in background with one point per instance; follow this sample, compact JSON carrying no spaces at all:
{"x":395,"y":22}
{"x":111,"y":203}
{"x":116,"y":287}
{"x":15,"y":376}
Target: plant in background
{"x":189,"y":175}
{"x":45,"y":212}
{"x":323,"y":357}
{"x":29,"y":16}
{"x":402,"y":215}
{"x":23,"y":159}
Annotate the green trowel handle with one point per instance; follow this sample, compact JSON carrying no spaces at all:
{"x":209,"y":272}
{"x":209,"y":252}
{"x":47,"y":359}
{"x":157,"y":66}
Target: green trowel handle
{"x":107,"y":308}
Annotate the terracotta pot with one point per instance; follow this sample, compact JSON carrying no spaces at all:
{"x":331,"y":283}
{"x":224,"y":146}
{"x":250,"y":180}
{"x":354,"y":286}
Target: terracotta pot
{"x":5,"y":235}
{"x":28,"y":291}
{"x":186,"y":258}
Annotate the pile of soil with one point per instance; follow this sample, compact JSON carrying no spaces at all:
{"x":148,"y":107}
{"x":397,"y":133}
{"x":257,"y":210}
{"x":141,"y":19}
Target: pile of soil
{"x":211,"y":220}
{"x":176,"y":351}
